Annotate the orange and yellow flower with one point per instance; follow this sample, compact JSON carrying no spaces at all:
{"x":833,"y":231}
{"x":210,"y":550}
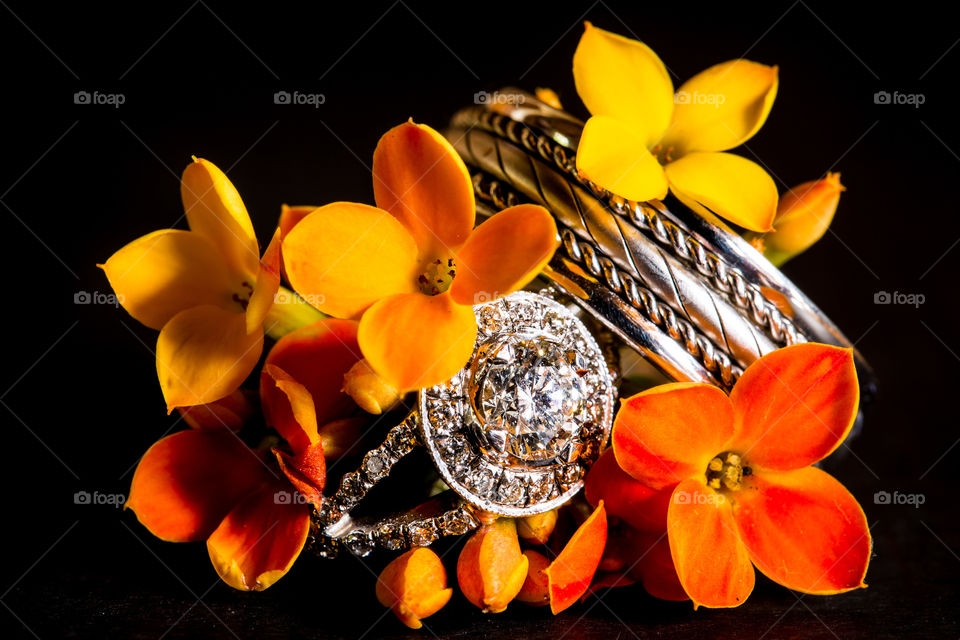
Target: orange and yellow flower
{"x":206,"y":484}
{"x":206,"y":290}
{"x":411,"y":268}
{"x":644,"y":139}
{"x":730,"y":478}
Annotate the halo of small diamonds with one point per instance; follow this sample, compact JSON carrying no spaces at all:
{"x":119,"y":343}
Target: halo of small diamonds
{"x":514,"y":432}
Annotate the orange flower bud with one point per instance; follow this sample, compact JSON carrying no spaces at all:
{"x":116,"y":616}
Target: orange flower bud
{"x":535,"y":590}
{"x":536,"y":529}
{"x":549,"y":96}
{"x":491,"y":570}
{"x":414,"y":586}
{"x":340,"y":435}
{"x":371,"y":392}
{"x":803,"y":216}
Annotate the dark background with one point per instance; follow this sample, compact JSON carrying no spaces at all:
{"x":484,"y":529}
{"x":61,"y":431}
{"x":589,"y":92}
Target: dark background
{"x":80,"y":401}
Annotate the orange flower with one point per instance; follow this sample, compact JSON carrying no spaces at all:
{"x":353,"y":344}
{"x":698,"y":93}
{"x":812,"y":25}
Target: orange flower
{"x":206,"y":484}
{"x":206,"y":290}
{"x":736,"y":477}
{"x":411,"y":268}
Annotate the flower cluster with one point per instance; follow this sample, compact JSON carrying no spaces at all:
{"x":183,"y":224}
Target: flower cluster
{"x":698,"y":488}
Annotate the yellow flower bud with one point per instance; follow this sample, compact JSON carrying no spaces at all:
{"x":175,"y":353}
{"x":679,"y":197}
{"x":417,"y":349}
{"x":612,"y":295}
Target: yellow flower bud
{"x":536,"y":529}
{"x":803,"y":216}
{"x":414,"y":586}
{"x":491,"y":570}
{"x":371,"y":392}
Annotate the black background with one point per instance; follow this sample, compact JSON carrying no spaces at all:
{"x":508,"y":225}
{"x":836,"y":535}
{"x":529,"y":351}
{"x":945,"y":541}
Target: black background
{"x":80,"y":402}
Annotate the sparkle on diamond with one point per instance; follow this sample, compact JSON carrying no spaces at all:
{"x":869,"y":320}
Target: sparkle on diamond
{"x":529,"y":395}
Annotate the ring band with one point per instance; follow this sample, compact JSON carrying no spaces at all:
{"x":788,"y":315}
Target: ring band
{"x":687,"y":293}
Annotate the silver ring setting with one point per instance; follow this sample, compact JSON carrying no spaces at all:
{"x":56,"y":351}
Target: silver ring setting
{"x":514,"y":432}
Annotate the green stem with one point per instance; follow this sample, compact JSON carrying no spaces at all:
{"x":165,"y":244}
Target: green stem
{"x":289,"y":313}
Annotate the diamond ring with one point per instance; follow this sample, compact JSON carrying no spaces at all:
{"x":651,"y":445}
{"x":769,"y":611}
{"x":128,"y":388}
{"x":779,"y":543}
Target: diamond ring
{"x":511,"y":434}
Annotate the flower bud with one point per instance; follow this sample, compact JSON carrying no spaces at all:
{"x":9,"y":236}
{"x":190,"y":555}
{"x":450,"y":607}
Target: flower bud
{"x":491,"y":570}
{"x":549,"y":96}
{"x":369,"y":390}
{"x":536,"y":589}
{"x":340,"y":435}
{"x":803,"y":216}
{"x":414,"y":586}
{"x":536,"y":529}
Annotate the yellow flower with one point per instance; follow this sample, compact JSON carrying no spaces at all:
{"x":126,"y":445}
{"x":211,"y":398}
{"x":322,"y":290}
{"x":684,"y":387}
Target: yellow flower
{"x":206,"y":290}
{"x":643,"y":138}
{"x":411,"y":268}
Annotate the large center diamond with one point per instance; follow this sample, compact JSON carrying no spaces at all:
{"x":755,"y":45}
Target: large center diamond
{"x":529,"y":395}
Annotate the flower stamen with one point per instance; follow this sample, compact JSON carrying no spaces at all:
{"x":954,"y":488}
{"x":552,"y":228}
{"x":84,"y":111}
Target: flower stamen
{"x":726,"y":471}
{"x":437,"y":277}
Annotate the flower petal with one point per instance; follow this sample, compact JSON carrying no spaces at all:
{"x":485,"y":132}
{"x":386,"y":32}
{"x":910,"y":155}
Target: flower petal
{"x":726,"y":185}
{"x":259,"y":540}
{"x":613,"y":155}
{"x":654,"y":566}
{"x":291,"y":410}
{"x":803,"y":215}
{"x":215,"y":210}
{"x":266,"y":287}
{"x":421,"y":180}
{"x":413,"y":340}
{"x":504,"y":253}
{"x":203,"y":354}
{"x":722,"y":107}
{"x":316,"y":356}
{"x":158,"y":275}
{"x":306,"y":471}
{"x":712,"y":564}
{"x":570,"y":573}
{"x":623,"y":79}
{"x":345,"y":256}
{"x":804,"y":530}
{"x":794,"y":406}
{"x":291,"y":216}
{"x":187,"y":482}
{"x":630,"y":500}
{"x":230,"y":412}
{"x":666,"y":434}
